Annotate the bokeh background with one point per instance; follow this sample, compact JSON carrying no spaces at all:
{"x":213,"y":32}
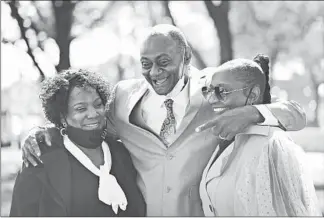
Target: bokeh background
{"x":40,"y":38}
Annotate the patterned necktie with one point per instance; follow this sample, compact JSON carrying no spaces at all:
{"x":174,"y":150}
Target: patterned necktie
{"x":169,"y":124}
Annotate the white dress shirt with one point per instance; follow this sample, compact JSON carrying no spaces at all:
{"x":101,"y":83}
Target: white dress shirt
{"x":154,"y":111}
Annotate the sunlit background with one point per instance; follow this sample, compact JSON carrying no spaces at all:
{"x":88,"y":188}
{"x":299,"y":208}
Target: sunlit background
{"x":40,"y":38}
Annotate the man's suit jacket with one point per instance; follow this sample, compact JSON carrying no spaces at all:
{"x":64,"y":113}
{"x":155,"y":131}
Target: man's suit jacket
{"x":168,"y":177}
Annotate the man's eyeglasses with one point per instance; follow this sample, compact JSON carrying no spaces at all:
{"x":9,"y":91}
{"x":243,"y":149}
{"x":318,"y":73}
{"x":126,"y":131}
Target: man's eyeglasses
{"x":218,"y":91}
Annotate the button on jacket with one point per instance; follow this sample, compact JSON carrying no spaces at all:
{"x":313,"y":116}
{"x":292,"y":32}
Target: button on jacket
{"x":169,"y":177}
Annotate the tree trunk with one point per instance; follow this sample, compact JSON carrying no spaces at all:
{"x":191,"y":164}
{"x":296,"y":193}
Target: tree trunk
{"x":219,"y":15}
{"x":201,"y":63}
{"x":63,"y":12}
{"x":315,"y":86}
{"x":15,"y":14}
{"x":273,"y":56}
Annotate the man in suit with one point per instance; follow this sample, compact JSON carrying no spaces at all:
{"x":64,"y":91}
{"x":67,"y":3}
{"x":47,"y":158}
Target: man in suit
{"x":156,"y":118}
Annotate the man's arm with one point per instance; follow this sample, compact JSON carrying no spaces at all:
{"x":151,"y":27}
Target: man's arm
{"x":226,"y":125}
{"x":289,"y":114}
{"x":110,"y":114}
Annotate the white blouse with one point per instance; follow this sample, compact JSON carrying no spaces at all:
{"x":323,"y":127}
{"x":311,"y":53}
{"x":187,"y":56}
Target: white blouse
{"x":262,"y":173}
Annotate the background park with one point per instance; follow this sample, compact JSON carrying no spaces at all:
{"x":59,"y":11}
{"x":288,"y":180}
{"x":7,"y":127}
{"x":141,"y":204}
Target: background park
{"x":40,"y":38}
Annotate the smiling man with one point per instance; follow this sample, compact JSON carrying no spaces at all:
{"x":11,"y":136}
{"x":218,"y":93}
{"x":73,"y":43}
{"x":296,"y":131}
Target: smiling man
{"x":156,"y":118}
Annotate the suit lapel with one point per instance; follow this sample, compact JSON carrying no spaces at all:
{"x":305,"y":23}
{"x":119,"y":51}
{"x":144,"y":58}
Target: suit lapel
{"x":195,"y":102}
{"x":135,"y":96}
{"x":59,"y":174}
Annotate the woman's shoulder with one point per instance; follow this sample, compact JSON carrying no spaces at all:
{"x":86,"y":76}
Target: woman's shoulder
{"x":282,"y":151}
{"x":282,"y":140}
{"x":272,"y":143}
{"x":117,"y":147}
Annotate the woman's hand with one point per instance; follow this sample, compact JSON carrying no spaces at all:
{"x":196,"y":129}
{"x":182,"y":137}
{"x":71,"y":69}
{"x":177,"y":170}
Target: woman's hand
{"x":38,"y":137}
{"x":232,"y":122}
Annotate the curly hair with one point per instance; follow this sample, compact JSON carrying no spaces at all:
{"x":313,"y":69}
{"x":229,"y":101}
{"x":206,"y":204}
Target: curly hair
{"x":55,"y":91}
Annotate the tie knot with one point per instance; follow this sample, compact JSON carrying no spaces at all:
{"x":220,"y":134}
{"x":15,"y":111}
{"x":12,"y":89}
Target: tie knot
{"x":168,"y":103}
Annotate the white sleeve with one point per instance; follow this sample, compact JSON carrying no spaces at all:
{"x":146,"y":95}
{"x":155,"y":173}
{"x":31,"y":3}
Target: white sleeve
{"x":269,"y":119}
{"x":276,"y":182}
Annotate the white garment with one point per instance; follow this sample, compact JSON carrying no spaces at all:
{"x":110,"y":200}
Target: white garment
{"x":262,"y":173}
{"x":154,"y":111}
{"x":109,"y":190}
{"x":269,"y":119}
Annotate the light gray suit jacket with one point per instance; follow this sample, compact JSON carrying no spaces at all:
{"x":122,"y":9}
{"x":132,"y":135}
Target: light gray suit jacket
{"x":169,"y":177}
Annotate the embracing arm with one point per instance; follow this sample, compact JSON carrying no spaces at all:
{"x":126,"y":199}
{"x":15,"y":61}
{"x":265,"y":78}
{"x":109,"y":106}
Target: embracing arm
{"x":110,"y":114}
{"x":287,"y":114}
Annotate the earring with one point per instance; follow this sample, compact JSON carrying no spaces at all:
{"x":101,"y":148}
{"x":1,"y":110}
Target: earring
{"x":63,"y":130}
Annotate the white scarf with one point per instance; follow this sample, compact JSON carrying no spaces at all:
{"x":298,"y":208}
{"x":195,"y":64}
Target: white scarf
{"x":109,"y":190}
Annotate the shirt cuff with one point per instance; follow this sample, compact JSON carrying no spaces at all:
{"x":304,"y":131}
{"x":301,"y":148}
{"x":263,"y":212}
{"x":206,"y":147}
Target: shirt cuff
{"x":269,"y":119}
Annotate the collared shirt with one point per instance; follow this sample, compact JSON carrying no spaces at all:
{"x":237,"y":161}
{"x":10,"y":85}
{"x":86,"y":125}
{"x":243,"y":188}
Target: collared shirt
{"x":176,"y":169}
{"x":153,"y":108}
{"x":254,"y":174}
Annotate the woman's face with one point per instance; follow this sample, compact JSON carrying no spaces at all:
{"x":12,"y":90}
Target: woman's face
{"x":85,"y":109}
{"x":229,"y":91}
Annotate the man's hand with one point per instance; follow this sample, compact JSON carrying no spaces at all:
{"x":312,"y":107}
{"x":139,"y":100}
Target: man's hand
{"x":232,"y":122}
{"x":40,"y":136}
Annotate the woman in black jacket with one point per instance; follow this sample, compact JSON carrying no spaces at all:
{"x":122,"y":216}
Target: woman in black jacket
{"x":86,"y":173}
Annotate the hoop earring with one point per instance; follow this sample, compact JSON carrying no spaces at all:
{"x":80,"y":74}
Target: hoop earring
{"x":63,"y":131}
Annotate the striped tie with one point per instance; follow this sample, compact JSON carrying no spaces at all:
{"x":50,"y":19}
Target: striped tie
{"x":169,"y":124}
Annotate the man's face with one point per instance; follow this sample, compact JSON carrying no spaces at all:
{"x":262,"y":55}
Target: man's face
{"x":162,"y":63}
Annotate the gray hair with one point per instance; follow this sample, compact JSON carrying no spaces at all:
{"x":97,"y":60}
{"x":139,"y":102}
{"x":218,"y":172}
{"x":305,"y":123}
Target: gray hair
{"x":172,"y":31}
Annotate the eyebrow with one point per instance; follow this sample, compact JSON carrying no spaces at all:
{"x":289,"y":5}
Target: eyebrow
{"x":159,"y":56}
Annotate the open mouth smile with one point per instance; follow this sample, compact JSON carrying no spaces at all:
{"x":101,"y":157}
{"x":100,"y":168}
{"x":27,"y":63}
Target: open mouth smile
{"x":92,"y":125}
{"x":220,"y":109}
{"x":159,"y":81}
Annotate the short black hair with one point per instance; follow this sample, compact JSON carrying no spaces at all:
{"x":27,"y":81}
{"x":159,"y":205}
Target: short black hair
{"x":172,"y":31}
{"x":55,"y":91}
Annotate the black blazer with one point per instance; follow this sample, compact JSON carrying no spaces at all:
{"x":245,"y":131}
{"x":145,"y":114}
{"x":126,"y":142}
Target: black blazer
{"x":45,"y":190}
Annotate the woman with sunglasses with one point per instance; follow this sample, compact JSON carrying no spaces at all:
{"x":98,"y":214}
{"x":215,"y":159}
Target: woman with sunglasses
{"x":242,"y":179}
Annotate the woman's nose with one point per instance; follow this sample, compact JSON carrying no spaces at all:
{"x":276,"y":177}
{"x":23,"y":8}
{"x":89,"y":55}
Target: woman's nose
{"x":93,"y":112}
{"x":212,"y":99}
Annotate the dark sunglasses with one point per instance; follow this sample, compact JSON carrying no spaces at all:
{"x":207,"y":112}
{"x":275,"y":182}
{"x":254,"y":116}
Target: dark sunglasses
{"x":219,"y":92}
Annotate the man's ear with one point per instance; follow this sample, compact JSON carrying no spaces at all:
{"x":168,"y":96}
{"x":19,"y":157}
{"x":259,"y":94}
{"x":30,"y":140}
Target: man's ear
{"x":188,"y":55}
{"x":255,"y":95}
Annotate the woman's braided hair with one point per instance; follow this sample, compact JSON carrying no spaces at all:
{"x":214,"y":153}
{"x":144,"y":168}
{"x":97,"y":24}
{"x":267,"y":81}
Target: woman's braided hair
{"x":263,"y":61}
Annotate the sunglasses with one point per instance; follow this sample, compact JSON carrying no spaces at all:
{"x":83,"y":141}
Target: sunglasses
{"x":218,"y":91}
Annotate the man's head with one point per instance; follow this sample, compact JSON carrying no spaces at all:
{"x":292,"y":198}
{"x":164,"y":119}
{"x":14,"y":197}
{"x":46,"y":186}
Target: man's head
{"x":165,"y":56}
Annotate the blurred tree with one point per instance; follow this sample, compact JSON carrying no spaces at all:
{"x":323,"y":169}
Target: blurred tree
{"x":219,"y":13}
{"x":201,"y":63}
{"x":63,"y":15}
{"x":281,"y":28}
{"x":57,"y":20}
{"x":15,"y":14}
